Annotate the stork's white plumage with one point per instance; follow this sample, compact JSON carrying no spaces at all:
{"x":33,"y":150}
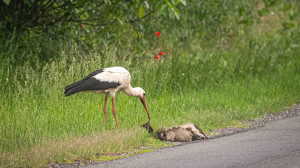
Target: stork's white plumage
{"x":108,"y":81}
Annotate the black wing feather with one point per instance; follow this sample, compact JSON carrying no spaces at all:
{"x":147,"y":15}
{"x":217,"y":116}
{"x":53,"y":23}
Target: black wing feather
{"x":85,"y":78}
{"x":94,"y":73}
{"x":89,"y":83}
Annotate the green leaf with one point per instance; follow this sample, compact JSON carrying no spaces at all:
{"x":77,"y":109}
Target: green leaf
{"x":82,"y":17}
{"x":288,"y":25}
{"x":286,"y":6}
{"x":269,"y":3}
{"x":80,"y":2}
{"x":120,"y":21}
{"x":159,"y":5}
{"x":264,"y":12}
{"x":141,"y":11}
{"x":169,"y":4}
{"x":177,"y":15}
{"x":293,"y":16}
{"x":183,"y":2}
{"x":242,"y":11}
{"x":288,"y":43}
{"x":107,"y":2}
{"x":146,"y":4}
{"x":163,"y":8}
{"x":176,"y":11}
{"x":272,"y":2}
{"x":175,"y":2}
{"x":7,"y":2}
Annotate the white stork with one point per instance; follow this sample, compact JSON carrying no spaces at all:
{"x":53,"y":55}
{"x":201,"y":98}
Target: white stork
{"x":108,"y":81}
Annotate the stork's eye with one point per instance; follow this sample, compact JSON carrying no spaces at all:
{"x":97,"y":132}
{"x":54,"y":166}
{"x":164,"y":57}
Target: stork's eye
{"x":144,"y":94}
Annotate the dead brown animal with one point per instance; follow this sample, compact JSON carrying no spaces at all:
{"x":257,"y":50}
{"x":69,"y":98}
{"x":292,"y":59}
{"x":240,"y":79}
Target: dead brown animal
{"x":174,"y":134}
{"x":183,"y":133}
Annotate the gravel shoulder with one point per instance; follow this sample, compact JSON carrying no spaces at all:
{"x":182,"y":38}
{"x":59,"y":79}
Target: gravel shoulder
{"x":257,"y":122}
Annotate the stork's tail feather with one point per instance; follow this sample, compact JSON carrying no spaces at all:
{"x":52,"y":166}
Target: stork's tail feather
{"x":73,"y":88}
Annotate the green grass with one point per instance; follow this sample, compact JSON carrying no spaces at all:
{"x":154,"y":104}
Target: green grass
{"x":211,"y":83}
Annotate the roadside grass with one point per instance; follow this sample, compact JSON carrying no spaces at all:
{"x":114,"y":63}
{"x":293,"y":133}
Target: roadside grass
{"x":92,"y":147}
{"x":211,"y":88}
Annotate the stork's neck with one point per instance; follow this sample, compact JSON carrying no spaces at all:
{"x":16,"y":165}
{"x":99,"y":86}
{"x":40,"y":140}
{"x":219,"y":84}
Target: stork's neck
{"x":130,"y":91}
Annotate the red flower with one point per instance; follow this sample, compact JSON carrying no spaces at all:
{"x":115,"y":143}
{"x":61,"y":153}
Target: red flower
{"x":158,"y":34}
{"x":82,"y":25}
{"x":157,"y":57}
{"x":160,"y":53}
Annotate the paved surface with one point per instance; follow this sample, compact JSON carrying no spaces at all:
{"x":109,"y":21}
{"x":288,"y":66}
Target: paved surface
{"x":275,"y":145}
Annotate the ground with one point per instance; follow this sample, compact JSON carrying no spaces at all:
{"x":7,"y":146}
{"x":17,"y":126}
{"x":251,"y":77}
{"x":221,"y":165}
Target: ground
{"x":239,"y":127}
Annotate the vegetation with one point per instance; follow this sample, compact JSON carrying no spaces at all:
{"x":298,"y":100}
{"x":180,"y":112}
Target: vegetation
{"x":223,"y":61}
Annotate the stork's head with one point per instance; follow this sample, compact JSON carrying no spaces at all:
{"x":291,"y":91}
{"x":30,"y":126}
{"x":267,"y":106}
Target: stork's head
{"x":140,"y":93}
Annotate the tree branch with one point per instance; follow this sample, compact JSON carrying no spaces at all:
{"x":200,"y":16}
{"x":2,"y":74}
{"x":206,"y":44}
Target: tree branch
{"x":148,"y":14}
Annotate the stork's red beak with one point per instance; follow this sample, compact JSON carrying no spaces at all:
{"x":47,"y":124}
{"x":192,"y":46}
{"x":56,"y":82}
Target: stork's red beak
{"x":147,"y":125}
{"x":144,"y":103}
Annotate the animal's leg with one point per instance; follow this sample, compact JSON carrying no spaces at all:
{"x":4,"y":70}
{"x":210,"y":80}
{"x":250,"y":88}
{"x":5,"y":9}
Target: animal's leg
{"x":114,"y":111}
{"x":104,"y":109}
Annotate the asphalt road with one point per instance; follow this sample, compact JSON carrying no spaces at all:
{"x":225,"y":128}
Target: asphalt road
{"x":275,"y":145}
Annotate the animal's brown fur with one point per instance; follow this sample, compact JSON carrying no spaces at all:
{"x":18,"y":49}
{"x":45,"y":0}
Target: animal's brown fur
{"x":195,"y":130}
{"x":183,"y":133}
{"x":174,"y":134}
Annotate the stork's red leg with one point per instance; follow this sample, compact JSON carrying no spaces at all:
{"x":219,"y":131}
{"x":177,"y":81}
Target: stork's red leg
{"x":104,"y":109}
{"x":114,"y":111}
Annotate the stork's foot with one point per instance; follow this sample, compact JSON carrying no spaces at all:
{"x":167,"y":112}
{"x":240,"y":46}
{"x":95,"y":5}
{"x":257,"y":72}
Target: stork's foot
{"x":148,"y":127}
